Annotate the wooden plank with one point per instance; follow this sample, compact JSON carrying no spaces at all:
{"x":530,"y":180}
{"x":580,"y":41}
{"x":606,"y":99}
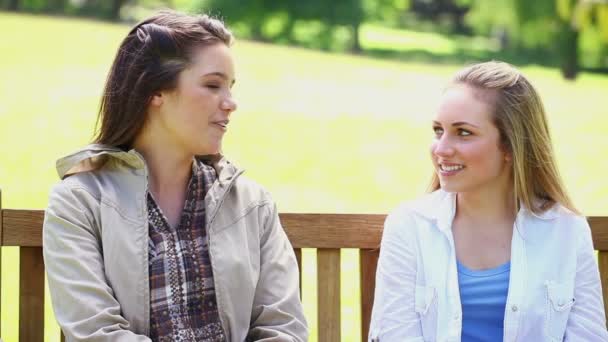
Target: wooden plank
{"x":328,"y":286}
{"x":599,"y":231}
{"x":1,"y":261}
{"x":298,"y":253}
{"x":333,"y":230}
{"x":31,"y":295}
{"x":368,"y":260}
{"x":603,"y":266}
{"x":22,"y":227}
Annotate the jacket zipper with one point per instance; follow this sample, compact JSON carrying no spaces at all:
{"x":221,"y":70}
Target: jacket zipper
{"x":209,"y":226}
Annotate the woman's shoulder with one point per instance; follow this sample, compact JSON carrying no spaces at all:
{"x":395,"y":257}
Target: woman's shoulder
{"x":250,"y":192}
{"x":230,"y":174}
{"x":95,"y":167}
{"x":557,"y":226}
{"x":80,"y":182}
{"x":429,"y":206}
{"x":558,"y":215}
{"x":575,"y":222}
{"x":110,"y":183}
{"x":106,"y":179}
{"x":423,"y":213}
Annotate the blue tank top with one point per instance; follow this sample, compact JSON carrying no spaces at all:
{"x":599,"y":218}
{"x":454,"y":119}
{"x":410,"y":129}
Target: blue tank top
{"x":483,"y":295}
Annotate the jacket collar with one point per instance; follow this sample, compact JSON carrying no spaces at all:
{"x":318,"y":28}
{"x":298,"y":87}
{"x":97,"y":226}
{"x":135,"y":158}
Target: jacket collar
{"x":94,"y":156}
{"x":440,"y":206}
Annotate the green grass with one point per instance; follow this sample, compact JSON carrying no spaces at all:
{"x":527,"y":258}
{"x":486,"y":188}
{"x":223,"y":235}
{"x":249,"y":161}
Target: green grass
{"x":323,"y":132}
{"x":399,"y":40}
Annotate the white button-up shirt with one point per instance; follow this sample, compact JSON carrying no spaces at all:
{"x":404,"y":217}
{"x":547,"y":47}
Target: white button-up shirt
{"x":554,"y":288}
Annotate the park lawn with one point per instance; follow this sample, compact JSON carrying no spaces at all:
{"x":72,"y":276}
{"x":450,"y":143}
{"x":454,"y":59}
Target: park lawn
{"x":322,"y":132}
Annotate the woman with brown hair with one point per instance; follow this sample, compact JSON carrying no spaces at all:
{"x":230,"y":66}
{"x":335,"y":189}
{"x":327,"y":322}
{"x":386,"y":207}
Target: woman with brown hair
{"x":152,"y":234}
{"x":496,"y":251}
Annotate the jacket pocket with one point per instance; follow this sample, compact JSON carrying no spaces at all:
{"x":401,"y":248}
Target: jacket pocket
{"x":560,"y":300}
{"x":426,"y":308}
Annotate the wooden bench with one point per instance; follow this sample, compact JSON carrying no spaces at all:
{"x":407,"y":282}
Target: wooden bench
{"x":328,"y":233}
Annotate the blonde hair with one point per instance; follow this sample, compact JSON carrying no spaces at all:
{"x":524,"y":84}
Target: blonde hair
{"x":520,"y":118}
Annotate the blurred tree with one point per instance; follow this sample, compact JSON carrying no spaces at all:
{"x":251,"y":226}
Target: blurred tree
{"x":55,"y":6}
{"x":551,"y":25}
{"x":441,"y":10}
{"x":115,"y":9}
{"x":13,"y":5}
{"x":332,"y":14}
{"x":388,"y":12}
{"x":254,"y":13}
{"x":106,"y":9}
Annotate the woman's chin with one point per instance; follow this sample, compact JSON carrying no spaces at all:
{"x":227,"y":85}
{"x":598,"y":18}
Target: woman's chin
{"x":208,"y":149}
{"x":449,"y":187}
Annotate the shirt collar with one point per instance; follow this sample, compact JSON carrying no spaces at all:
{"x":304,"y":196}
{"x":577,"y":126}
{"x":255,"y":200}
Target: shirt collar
{"x":440,"y":206}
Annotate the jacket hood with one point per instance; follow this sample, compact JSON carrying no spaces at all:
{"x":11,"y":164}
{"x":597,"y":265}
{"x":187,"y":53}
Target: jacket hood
{"x":94,"y":156}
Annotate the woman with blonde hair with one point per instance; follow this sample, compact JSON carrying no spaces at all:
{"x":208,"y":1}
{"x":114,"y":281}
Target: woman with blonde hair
{"x":496,"y":251}
{"x":152,"y":234}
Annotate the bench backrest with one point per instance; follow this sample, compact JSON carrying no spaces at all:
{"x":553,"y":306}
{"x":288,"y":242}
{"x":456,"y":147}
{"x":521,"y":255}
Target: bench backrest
{"x":328,"y":233}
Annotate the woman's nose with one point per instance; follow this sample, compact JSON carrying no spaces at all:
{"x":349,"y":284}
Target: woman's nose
{"x":228,"y":104}
{"x":443,"y":147}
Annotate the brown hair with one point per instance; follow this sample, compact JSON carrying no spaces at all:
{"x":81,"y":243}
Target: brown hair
{"x":149,"y":60}
{"x":520,"y":118}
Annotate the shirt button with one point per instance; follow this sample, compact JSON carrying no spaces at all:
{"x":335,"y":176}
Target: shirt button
{"x":514,"y":308}
{"x":456,"y":317}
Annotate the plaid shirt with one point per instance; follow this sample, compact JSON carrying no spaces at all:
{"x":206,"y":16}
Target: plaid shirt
{"x":182,"y":295}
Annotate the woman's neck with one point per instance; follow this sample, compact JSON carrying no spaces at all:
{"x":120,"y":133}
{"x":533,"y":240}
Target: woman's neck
{"x":169,"y":168}
{"x":491,"y":205}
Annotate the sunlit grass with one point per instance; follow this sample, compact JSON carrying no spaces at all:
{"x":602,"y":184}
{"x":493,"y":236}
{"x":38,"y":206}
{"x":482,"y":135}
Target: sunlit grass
{"x":323,"y":132}
{"x":393,"y":39}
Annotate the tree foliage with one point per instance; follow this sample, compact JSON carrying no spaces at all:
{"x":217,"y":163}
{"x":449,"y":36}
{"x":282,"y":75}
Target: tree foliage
{"x":550,"y":25}
{"x":332,"y":15}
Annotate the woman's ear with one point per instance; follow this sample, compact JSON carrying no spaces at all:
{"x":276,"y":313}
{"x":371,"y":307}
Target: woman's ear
{"x":508,"y":157}
{"x":157,"y":99}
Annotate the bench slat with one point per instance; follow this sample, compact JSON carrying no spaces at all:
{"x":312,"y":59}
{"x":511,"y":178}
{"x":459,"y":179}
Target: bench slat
{"x":333,"y":230}
{"x":368,"y":259}
{"x":298,"y":253}
{"x":328,"y":286}
{"x":603,"y":266}
{"x":599,"y":231}
{"x":1,"y":261}
{"x":31,"y":294}
{"x":22,"y":227}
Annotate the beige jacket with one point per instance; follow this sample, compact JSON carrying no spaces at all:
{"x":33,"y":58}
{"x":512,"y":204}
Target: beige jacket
{"x":95,"y":242}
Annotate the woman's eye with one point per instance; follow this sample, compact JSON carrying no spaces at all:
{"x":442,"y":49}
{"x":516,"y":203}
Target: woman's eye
{"x":464,"y":133}
{"x":213,"y":86}
{"x":438,"y":131}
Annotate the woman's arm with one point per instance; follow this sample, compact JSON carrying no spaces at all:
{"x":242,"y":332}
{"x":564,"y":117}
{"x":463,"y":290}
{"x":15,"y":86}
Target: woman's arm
{"x":393,"y":316}
{"x":83,"y":301}
{"x":277,"y":313}
{"x":587,"y":321}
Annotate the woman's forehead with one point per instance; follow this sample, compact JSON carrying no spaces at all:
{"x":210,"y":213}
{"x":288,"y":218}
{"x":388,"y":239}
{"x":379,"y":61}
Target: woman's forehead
{"x":463,"y":103}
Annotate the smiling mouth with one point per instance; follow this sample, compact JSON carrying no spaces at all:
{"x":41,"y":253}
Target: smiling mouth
{"x":222,"y":124}
{"x":450,"y":169}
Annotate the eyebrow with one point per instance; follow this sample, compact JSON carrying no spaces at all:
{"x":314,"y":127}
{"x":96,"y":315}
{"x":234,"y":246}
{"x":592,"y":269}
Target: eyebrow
{"x":221,"y":75}
{"x":457,"y":124}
